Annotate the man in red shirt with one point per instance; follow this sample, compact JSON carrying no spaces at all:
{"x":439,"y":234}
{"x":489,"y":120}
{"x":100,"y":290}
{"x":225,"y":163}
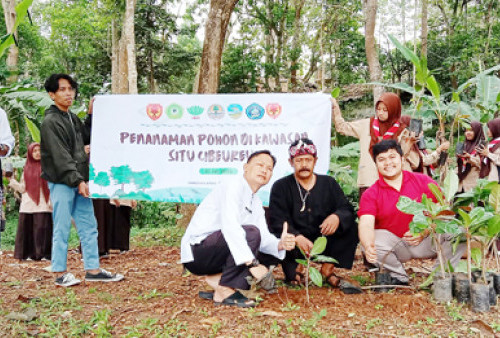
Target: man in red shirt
{"x":383,"y":228}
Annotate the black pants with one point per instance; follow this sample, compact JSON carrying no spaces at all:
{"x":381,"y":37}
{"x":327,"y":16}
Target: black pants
{"x":212,"y":256}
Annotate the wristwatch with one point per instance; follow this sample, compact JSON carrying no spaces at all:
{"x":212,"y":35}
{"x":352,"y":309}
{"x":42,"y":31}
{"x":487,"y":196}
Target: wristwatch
{"x":253,"y":263}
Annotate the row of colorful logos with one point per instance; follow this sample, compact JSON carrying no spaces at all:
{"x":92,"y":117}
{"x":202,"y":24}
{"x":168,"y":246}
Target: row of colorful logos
{"x":216,"y":111}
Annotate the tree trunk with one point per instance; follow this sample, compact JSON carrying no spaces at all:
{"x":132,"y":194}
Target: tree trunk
{"x":129,"y":34}
{"x":298,"y":4}
{"x":424,"y":29}
{"x":370,"y":12}
{"x":122,"y":67}
{"x":213,"y":45}
{"x":9,"y":11}
{"x":123,"y":62}
{"x":115,"y":56}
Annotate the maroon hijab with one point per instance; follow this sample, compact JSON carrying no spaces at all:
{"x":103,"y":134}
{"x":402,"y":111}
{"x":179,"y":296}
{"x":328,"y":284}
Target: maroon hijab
{"x":469,"y":147}
{"x":393,"y":104}
{"x":32,"y":179}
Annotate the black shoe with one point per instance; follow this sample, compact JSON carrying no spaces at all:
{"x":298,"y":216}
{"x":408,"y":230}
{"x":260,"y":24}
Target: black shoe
{"x":103,"y":276}
{"x":395,"y":281}
{"x":349,"y":288}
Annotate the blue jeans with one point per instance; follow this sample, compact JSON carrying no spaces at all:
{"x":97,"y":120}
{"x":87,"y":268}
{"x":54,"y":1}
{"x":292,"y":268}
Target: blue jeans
{"x":67,"y":203}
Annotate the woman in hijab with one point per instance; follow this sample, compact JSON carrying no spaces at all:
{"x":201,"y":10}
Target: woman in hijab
{"x":415,"y":159}
{"x":490,"y":154}
{"x":34,"y":231}
{"x":383,"y":125}
{"x":469,"y":162}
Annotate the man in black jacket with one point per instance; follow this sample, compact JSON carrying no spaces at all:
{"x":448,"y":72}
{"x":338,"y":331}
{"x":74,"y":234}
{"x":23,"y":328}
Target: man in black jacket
{"x":65,"y":167}
{"x":314,"y":205}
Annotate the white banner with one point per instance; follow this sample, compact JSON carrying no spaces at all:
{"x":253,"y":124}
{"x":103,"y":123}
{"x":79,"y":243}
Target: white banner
{"x":176,"y":148}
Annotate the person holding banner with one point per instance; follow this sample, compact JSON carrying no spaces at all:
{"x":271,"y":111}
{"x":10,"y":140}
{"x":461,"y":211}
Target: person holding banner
{"x":313,"y":205}
{"x":66,"y":169}
{"x":383,"y":126}
{"x":228,"y":235}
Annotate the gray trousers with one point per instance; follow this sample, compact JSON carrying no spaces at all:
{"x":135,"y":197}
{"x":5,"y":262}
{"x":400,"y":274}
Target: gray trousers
{"x":392,"y":252}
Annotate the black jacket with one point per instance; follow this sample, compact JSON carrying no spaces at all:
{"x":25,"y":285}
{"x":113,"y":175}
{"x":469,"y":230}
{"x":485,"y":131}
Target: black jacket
{"x":64,"y":160}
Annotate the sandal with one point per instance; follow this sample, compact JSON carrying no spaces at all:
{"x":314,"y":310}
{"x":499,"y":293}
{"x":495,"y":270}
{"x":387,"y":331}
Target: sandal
{"x":344,"y":286}
{"x":206,"y":295}
{"x":349,"y":288}
{"x":267,"y":281}
{"x":237,"y":299}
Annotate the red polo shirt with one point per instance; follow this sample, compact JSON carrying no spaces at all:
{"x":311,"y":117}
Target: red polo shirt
{"x":380,"y":201}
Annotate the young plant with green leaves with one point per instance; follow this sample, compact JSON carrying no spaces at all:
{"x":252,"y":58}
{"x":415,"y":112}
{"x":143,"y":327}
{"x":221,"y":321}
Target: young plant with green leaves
{"x":315,"y":255}
{"x":434,"y":218}
{"x":480,"y":222}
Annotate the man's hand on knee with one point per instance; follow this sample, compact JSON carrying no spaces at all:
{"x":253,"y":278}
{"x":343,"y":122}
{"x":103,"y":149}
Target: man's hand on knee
{"x":330,"y":225}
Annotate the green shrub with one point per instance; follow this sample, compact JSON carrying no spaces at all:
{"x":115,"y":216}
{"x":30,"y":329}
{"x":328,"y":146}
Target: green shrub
{"x":155,"y":215}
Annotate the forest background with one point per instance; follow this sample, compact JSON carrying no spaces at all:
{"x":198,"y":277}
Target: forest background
{"x":249,"y":46}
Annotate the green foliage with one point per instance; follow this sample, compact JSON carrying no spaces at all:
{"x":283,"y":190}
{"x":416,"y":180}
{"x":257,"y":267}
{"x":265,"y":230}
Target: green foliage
{"x":100,"y":323}
{"x":308,"y":327}
{"x":21,"y":11}
{"x":239,"y":70}
{"x":315,"y":256}
{"x":155,"y":215}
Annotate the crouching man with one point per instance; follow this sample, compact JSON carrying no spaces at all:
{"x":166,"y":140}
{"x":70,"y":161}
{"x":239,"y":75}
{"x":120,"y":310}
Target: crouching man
{"x":383,"y":229}
{"x":314,"y":205}
{"x":228,"y":234}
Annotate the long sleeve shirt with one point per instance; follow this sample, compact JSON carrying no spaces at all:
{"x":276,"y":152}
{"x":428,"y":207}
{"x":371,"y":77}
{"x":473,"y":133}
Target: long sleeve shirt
{"x":5,"y":132}
{"x":63,"y":137}
{"x":227,"y":208}
{"x":28,"y":206}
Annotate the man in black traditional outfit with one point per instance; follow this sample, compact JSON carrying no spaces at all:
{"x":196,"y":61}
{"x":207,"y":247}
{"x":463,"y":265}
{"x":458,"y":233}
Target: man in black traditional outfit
{"x":313,"y":205}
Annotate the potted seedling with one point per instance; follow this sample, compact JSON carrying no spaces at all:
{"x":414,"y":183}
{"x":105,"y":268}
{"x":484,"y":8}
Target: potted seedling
{"x":315,"y":255}
{"x":482,"y":224}
{"x":435,"y":219}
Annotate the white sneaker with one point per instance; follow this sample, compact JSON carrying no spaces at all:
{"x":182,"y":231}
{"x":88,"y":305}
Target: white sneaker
{"x":67,"y":280}
{"x":103,"y":276}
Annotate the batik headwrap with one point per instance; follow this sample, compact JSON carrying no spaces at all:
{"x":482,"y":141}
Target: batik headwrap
{"x":302,"y":148}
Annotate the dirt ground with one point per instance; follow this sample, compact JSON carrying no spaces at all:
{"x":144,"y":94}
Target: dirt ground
{"x":155,"y":299}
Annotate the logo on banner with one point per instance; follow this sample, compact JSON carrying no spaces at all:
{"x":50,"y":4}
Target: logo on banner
{"x":154,"y":111}
{"x":195,"y":111}
{"x":175,"y":111}
{"x":235,"y":110}
{"x":255,"y":111}
{"x":215,"y":112}
{"x":273,"y":110}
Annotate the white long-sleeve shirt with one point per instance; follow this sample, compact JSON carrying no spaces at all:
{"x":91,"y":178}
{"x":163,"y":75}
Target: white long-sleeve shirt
{"x":5,"y":132}
{"x":227,"y":208}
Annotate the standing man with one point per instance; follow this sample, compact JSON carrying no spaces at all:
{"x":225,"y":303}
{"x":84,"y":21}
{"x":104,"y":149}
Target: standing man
{"x":313,"y":205}
{"x":383,"y":229}
{"x":65,"y":167}
{"x":6,"y":145}
{"x":228,"y":234}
